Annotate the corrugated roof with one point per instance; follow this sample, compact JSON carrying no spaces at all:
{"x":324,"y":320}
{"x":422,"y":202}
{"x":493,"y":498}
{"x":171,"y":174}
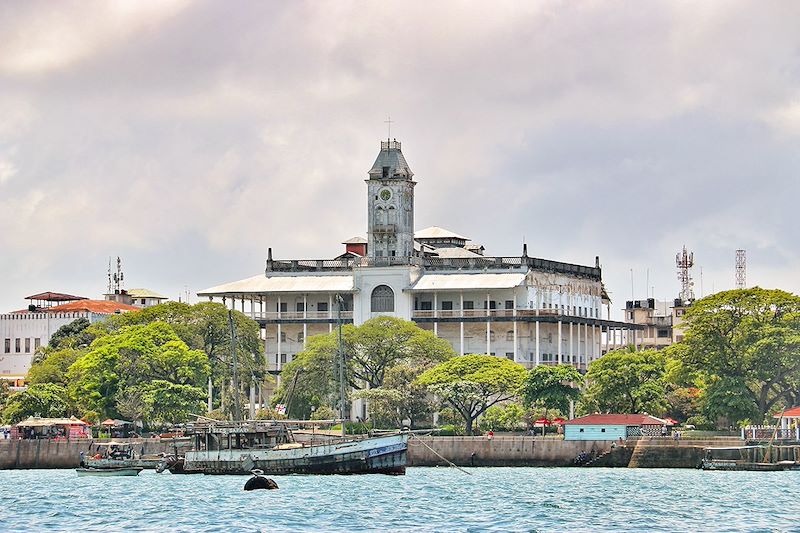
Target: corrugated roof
{"x":435,"y":232}
{"x":439,"y":282}
{"x":102,"y":307}
{"x":263,"y":284}
{"x":54,"y":297}
{"x":356,"y":240}
{"x":34,"y":422}
{"x":145,"y":293}
{"x":391,"y":156}
{"x":617,"y":420}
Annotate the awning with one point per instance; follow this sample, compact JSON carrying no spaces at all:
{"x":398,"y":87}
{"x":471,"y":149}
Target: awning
{"x":263,"y":284}
{"x":36,"y":422}
{"x":443,"y":282}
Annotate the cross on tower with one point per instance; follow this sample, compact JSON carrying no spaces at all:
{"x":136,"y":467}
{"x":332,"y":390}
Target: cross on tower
{"x":389,"y":121}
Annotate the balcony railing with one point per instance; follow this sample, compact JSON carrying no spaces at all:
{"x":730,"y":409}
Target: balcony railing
{"x":299,"y":315}
{"x":481,"y":313}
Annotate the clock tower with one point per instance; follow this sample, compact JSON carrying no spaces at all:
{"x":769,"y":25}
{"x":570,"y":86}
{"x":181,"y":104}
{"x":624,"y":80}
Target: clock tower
{"x":390,"y":204}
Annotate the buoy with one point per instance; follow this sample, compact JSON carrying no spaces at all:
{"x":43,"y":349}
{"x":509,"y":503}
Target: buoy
{"x":258,"y":481}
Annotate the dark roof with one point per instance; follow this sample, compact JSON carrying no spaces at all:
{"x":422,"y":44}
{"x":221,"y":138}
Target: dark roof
{"x":617,"y":420}
{"x":55,"y":297}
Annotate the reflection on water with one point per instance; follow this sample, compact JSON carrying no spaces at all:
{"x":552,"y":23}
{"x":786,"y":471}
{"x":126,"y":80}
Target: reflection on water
{"x":426,"y":499}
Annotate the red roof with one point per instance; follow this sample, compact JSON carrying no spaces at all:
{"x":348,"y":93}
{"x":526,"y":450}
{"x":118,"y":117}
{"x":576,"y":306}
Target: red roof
{"x":617,"y":420}
{"x":793,"y":412}
{"x":102,"y":307}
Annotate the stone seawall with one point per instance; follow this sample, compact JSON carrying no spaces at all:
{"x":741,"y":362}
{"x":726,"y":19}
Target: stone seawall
{"x":42,"y":453}
{"x":499,"y":451}
{"x":654,"y":452}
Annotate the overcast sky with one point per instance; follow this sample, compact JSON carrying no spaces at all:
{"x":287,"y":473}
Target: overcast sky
{"x":188,"y":137}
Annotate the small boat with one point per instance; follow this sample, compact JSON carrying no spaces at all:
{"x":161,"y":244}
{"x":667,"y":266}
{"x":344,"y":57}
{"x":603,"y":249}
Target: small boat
{"x":109,"y":471}
{"x":117,"y":454}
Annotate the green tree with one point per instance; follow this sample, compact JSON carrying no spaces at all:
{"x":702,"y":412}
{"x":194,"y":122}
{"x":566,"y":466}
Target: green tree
{"x":129,"y":357}
{"x":507,"y":417}
{"x":371,"y":350}
{"x":552,"y":387}
{"x":169,"y":403}
{"x":72,"y":335}
{"x":400,"y":398}
{"x":41,"y":399}
{"x":627,"y":381}
{"x":745,"y":344}
{"x":53,"y":367}
{"x":473,"y":383}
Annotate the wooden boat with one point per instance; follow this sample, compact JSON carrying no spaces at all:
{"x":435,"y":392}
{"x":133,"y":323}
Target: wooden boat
{"x":119,"y":455}
{"x":240,"y":447}
{"x":752,"y":458}
{"x":109,"y":471}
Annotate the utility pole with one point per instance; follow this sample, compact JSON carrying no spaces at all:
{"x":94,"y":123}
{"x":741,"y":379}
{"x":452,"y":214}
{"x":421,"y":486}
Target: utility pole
{"x":237,"y":408}
{"x":342,"y":398}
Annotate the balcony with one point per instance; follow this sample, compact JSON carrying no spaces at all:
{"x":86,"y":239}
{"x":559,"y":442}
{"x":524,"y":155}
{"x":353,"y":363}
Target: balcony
{"x":299,"y":315}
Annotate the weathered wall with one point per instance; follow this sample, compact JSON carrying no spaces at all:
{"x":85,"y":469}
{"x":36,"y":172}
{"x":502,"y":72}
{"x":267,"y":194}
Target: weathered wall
{"x":500,"y":451}
{"x":654,"y":452}
{"x":43,"y":453}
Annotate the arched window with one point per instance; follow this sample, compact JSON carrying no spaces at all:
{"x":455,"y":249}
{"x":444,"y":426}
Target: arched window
{"x":382,"y":299}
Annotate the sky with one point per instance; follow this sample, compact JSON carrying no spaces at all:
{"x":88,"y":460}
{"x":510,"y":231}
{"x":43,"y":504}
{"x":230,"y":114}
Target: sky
{"x":189,"y":137}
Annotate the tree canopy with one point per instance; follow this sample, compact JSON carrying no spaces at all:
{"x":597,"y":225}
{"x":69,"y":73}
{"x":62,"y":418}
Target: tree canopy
{"x":473,"y":383}
{"x":744,"y":347}
{"x":48,"y":400}
{"x":627,"y":381}
{"x":371,"y":351}
{"x":552,"y":386}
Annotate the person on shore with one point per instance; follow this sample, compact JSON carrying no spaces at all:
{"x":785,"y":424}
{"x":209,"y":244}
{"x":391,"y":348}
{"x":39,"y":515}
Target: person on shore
{"x":664,"y":430}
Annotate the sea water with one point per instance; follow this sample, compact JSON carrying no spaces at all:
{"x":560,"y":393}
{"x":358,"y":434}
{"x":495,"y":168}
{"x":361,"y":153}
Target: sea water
{"x":425,"y":499}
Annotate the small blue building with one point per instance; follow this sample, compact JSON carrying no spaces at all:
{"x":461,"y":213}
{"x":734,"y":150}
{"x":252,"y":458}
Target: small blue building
{"x":612,"y":427}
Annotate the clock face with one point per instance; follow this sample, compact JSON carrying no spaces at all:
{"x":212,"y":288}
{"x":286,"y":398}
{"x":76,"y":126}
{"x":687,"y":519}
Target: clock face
{"x":385,"y":195}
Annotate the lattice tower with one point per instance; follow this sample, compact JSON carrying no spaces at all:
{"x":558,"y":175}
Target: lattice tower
{"x":741,"y":269}
{"x":685,"y":261}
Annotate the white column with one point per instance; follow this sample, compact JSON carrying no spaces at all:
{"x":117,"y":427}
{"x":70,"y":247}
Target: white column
{"x":488,"y":328}
{"x":595,"y":354}
{"x":305,"y":319}
{"x":571,"y":345}
{"x":243,"y":304}
{"x":537,"y":355}
{"x":514,"y":314}
{"x":435,"y":314}
{"x":587,"y":349}
{"x":560,"y":359}
{"x":461,"y":324}
{"x":330,"y":313}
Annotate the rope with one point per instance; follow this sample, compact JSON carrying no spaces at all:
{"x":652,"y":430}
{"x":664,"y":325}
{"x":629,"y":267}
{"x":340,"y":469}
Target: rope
{"x":437,"y":454}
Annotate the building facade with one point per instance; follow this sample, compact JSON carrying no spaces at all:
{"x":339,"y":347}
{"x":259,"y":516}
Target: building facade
{"x":530,"y":310}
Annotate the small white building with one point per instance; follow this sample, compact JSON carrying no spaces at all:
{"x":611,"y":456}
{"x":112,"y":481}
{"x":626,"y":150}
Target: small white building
{"x":530,"y":310}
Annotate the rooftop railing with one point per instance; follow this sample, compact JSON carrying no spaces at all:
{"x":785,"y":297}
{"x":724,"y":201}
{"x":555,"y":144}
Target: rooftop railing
{"x":435,"y":263}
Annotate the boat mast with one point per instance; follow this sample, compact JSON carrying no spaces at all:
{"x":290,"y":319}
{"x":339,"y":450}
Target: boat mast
{"x":339,"y":302}
{"x":237,"y":408}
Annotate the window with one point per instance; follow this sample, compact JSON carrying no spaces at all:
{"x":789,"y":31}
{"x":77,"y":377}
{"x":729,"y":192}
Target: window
{"x":280,"y":308}
{"x":283,"y":358}
{"x":385,"y":172}
{"x":469,"y":304}
{"x":300,"y":307}
{"x":447,"y":305}
{"x":322,"y":306}
{"x":17,"y":345}
{"x":283,"y":336}
{"x":144,"y":301}
{"x":663,"y":333}
{"x":602,"y":430}
{"x":382,"y":299}
{"x":509,"y":304}
{"x":27,"y":345}
{"x":36,"y":343}
{"x":300,"y":337}
{"x":492,"y":304}
{"x":491,"y":336}
{"x":425,"y":306}
{"x":8,"y":346}
{"x":581,"y":430}
{"x":510,"y":355}
{"x":510,"y":335}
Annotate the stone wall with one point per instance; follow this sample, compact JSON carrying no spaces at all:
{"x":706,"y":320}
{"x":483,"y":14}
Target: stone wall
{"x":42,"y":453}
{"x":500,"y":451}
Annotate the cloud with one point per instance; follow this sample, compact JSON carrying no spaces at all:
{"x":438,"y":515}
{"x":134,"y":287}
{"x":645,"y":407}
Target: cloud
{"x":189,"y":137}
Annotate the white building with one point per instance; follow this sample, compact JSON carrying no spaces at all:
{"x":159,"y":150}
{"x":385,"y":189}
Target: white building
{"x":533,"y":311}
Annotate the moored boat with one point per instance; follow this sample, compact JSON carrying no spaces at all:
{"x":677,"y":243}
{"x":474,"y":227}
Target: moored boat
{"x":109,"y":471}
{"x":240,"y":447}
{"x":119,"y":455}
